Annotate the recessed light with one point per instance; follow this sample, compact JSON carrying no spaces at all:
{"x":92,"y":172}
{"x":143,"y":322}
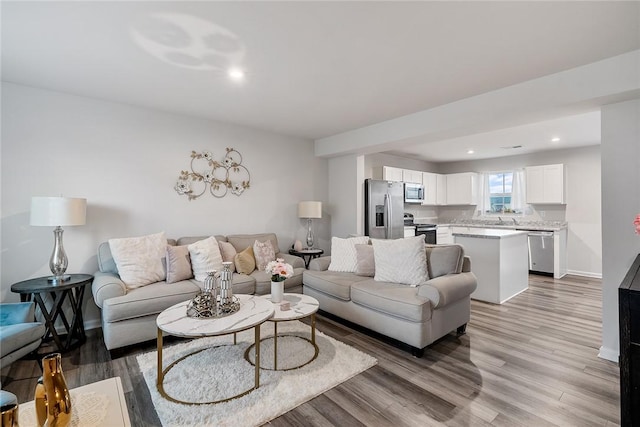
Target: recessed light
{"x":470,"y":152}
{"x":555,"y":139}
{"x":236,"y":74}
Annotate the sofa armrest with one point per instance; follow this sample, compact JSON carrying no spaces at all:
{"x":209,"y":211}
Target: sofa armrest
{"x":466,"y":264}
{"x":105,"y":286}
{"x":447,"y":289}
{"x":320,"y":264}
{"x":295,"y":261}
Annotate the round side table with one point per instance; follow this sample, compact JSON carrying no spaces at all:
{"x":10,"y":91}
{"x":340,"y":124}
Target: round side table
{"x":71,"y":290}
{"x":307,"y":255}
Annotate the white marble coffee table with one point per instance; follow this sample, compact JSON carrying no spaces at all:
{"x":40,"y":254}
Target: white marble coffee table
{"x":253,"y":312}
{"x":301,"y":306}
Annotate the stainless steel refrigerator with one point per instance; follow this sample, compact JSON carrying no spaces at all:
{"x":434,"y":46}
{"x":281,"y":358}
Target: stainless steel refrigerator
{"x":384,"y":209}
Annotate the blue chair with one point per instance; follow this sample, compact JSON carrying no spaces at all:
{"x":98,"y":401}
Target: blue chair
{"x":20,"y":334}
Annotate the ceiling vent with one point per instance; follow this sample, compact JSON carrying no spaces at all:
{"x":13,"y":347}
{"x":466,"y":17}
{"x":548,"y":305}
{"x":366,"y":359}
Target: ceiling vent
{"x":511,"y":147}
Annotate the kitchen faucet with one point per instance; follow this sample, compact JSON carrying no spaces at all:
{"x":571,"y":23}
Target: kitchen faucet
{"x":515,"y":222}
{"x":501,"y":221}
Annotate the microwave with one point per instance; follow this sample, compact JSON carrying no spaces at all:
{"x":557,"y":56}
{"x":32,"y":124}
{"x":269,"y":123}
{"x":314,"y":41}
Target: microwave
{"x":413,"y":193}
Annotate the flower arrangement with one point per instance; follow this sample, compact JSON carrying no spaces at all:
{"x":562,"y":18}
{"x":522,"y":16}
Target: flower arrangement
{"x":279,"y":270}
{"x":636,"y":222}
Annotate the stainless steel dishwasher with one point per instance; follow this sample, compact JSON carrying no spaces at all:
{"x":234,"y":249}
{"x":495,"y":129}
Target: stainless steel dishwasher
{"x":541,"y":252}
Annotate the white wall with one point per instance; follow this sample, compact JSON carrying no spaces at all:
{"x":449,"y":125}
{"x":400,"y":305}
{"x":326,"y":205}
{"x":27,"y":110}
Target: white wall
{"x":346,"y":195}
{"x":582,"y":211}
{"x":620,"y":205}
{"x":374,"y":162}
{"x":125,"y":160}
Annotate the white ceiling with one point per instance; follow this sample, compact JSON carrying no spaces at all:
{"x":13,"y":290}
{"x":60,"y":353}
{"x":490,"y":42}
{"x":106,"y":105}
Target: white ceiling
{"x":314,"y":69}
{"x":571,"y":131}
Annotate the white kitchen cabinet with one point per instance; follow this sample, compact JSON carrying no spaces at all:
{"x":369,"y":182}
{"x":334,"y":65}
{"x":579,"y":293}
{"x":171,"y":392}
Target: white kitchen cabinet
{"x":412,"y":176}
{"x":444,"y":235}
{"x":462,"y":188}
{"x":391,"y":174}
{"x":545,"y":184}
{"x":430,"y":182}
{"x":441,"y":189}
{"x":409,"y":231}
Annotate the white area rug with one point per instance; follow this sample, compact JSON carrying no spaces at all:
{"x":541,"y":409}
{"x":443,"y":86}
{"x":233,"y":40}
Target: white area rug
{"x":220,"y":372}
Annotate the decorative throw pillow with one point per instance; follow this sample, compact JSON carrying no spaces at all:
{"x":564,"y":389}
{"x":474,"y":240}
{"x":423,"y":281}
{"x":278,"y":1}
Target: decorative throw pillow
{"x":228,"y":253}
{"x":205,"y":256}
{"x":264,"y":253}
{"x":343,"y":253}
{"x":139,"y":259}
{"x":245,"y":262}
{"x":365,"y":265}
{"x":178,"y":264}
{"x":401,"y":260}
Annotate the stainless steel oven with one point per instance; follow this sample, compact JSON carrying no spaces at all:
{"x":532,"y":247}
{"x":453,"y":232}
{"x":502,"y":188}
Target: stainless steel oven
{"x":429,"y":231}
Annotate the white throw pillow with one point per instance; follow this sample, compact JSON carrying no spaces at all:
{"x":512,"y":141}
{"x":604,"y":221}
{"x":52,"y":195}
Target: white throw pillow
{"x":401,"y":260}
{"x":343,"y":253}
{"x":205,"y":256}
{"x":139,"y":259}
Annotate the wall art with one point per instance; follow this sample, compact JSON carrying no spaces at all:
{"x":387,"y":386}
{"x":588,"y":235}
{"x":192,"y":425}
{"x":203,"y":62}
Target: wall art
{"x":217,"y":177}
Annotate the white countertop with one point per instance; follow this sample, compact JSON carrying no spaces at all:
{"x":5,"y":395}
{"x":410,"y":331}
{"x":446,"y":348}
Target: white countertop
{"x":485,"y":233}
{"x":510,"y":225}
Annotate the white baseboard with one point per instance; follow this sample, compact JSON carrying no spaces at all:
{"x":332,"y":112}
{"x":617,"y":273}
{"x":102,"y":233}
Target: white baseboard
{"x":609,"y":354}
{"x":585,"y":274}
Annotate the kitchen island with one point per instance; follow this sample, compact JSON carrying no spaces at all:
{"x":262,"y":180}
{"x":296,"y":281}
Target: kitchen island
{"x":499,"y":259}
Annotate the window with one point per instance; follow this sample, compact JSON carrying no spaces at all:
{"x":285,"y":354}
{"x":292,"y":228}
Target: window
{"x":500,"y":189}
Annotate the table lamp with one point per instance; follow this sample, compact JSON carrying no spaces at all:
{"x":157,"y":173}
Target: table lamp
{"x":309,"y":210}
{"x":58,"y":211}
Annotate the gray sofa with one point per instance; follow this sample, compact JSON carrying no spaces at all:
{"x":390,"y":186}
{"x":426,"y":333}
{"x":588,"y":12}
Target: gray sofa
{"x":128,"y":316}
{"x":416,"y":316}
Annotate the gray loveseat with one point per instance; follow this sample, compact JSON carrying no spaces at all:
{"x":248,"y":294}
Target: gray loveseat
{"x":416,"y":316}
{"x":129,"y":315}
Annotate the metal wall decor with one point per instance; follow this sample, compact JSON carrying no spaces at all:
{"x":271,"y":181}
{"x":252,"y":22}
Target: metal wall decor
{"x":217,"y":177}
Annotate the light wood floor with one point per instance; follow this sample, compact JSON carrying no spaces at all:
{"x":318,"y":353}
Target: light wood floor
{"x":529,"y":362}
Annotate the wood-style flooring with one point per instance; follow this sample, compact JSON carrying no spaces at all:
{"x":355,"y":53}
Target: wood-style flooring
{"x":529,"y":362}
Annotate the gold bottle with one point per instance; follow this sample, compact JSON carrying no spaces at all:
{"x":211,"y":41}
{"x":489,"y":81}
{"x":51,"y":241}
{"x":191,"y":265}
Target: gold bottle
{"x":9,"y":414}
{"x":52,"y":398}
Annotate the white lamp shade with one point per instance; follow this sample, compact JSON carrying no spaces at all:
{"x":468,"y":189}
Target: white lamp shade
{"x":55,"y":211}
{"x":310,"y":210}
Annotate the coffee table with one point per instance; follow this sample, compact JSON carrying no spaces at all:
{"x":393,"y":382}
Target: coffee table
{"x":174,"y":320}
{"x":301,"y":306}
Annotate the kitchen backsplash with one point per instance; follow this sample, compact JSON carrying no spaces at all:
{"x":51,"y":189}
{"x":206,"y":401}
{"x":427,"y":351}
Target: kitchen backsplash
{"x":448,"y":214}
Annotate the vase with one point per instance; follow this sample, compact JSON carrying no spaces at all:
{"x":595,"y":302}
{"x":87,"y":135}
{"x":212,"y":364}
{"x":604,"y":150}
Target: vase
{"x":277,"y":291}
{"x":52,"y":398}
{"x":9,"y":409}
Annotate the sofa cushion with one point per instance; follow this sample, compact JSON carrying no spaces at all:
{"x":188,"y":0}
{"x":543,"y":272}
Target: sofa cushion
{"x":243,"y":241}
{"x":139,"y":259}
{"x":228,"y":253}
{"x":245,"y":262}
{"x":343,"y":253}
{"x":205,"y":257}
{"x":401,"y":260}
{"x":444,"y":259}
{"x":19,"y":335}
{"x":185,"y":241}
{"x":178,"y":264}
{"x":264,"y":253}
{"x":335,"y":283}
{"x":148,"y":300}
{"x":393,"y":299}
{"x":366,"y":265}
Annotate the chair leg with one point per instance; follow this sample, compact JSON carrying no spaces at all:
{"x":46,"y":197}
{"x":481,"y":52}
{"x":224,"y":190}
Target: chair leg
{"x":461,"y":329}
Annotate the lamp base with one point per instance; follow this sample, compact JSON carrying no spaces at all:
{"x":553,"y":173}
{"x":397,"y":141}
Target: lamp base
{"x":58,"y":279}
